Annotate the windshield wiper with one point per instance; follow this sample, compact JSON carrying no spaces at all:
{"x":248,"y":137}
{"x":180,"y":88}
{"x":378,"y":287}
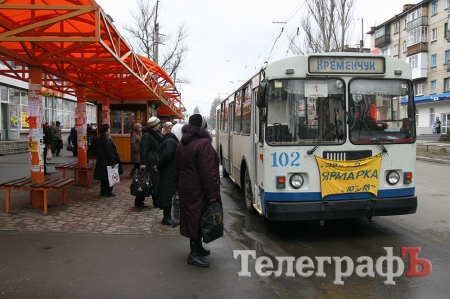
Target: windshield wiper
{"x":310,"y":152}
{"x":383,"y":149}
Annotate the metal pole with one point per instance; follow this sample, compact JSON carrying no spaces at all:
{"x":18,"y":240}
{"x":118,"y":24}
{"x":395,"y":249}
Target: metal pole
{"x":362,"y":36}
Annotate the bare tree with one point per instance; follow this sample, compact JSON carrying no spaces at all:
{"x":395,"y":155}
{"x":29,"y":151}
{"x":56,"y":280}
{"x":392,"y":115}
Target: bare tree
{"x":143,"y":38}
{"x":325,"y":27}
{"x":212,"y":112}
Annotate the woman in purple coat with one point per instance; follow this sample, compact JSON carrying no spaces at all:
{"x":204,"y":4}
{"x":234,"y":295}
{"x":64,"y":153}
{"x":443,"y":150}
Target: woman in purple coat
{"x":198,"y":180}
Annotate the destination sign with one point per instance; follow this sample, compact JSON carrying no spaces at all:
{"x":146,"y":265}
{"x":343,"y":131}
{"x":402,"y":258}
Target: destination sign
{"x":346,"y":65}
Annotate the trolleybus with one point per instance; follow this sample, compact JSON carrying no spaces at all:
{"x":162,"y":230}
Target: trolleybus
{"x":322,"y":136}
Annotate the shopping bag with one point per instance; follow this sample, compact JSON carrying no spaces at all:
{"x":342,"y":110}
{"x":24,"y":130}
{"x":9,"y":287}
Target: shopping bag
{"x":212,"y":222}
{"x":49,"y":155}
{"x":69,"y":147}
{"x":175,"y":211}
{"x":142,"y":184}
{"x":113,"y":175}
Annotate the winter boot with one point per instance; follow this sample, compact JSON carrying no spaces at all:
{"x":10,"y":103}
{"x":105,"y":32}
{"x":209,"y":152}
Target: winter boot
{"x":167,"y":220}
{"x":194,"y":257}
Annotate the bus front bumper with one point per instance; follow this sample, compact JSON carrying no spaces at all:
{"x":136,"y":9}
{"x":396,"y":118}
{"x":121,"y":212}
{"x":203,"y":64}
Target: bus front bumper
{"x":321,"y":210}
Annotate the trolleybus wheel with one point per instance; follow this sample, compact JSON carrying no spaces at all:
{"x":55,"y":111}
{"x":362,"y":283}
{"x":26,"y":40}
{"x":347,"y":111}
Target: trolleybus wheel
{"x":248,"y":194}
{"x":225,"y":174}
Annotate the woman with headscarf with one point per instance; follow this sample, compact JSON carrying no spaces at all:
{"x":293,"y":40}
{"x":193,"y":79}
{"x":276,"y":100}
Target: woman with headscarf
{"x":165,"y":167}
{"x":148,"y":157}
{"x":107,"y":155}
{"x":198,"y":181}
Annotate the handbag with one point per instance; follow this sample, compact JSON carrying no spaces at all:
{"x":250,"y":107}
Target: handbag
{"x":69,"y":147}
{"x":142,"y":184}
{"x":175,"y":211}
{"x":113,"y":175}
{"x":212,"y":222}
{"x":60,"y":144}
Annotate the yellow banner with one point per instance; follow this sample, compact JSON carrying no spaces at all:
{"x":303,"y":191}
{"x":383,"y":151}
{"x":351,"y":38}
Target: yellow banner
{"x":352,"y":176}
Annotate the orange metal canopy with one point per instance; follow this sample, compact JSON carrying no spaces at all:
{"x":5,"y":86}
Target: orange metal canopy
{"x":75,"y":43}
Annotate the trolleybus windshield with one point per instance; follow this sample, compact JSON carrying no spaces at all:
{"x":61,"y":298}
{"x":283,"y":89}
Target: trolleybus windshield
{"x":306,"y":111}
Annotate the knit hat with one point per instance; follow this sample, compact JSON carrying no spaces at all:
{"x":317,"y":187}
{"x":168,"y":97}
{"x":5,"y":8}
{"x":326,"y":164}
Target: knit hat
{"x":198,"y":120}
{"x":167,"y":124}
{"x":153,"y":121}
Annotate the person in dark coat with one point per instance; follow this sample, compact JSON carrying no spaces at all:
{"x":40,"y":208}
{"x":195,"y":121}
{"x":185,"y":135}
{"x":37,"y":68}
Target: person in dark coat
{"x":92,"y":148}
{"x":47,"y":145}
{"x":165,"y":167}
{"x":148,"y":157}
{"x":107,"y":155}
{"x":135,"y":146}
{"x":73,"y":136}
{"x":198,"y":181}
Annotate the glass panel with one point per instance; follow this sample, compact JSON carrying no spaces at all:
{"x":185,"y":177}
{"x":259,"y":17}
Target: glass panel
{"x":237,"y":112}
{"x":116,"y":121}
{"x":14,"y":95}
{"x":247,"y":109}
{"x":380,"y":111}
{"x":306,"y":112}
{"x":24,"y":96}
{"x":3,"y":93}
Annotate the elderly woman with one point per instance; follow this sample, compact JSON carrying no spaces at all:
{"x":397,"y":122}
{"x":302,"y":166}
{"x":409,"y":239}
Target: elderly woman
{"x":149,"y":155}
{"x":167,"y":127}
{"x":107,"y":155}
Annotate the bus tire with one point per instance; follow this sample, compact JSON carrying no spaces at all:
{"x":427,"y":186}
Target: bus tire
{"x":248,"y":194}
{"x":225,"y":174}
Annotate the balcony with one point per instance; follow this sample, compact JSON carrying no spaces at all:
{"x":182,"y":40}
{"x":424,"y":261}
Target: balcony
{"x":417,"y":48}
{"x":422,"y":21}
{"x":382,"y":41}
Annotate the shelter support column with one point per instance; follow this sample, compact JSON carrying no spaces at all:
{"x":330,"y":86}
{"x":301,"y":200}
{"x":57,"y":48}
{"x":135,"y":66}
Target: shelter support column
{"x":35,"y":142}
{"x":106,"y":117}
{"x":81,"y":128}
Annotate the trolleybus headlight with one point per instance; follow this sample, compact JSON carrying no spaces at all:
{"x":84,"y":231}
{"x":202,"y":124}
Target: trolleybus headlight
{"x":296,"y":181}
{"x":393,"y":177}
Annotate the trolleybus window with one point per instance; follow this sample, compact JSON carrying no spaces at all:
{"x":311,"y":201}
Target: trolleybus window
{"x":376,"y":113}
{"x":302,"y":111}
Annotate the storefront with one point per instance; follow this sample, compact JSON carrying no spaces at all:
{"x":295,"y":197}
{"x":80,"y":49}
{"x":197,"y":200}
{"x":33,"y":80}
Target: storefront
{"x":428,"y":108}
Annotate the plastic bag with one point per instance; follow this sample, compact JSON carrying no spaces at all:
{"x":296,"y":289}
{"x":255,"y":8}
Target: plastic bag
{"x":142,"y":184}
{"x":113,"y":175}
{"x":49,"y":155}
{"x":175,"y":211}
{"x":212,"y":222}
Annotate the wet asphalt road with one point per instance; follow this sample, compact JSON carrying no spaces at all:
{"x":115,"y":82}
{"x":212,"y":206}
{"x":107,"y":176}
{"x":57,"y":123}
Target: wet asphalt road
{"x":428,"y":229}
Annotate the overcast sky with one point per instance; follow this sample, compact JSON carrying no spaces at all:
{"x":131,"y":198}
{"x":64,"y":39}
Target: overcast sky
{"x":229,"y":40}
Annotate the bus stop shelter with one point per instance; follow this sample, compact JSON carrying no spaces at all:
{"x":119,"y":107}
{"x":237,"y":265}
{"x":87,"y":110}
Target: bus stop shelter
{"x":72,"y":47}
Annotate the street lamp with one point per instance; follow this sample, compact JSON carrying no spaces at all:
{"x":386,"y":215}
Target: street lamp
{"x":361,"y":43}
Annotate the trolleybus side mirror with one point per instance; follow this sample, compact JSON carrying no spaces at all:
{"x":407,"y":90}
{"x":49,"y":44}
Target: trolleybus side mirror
{"x":263,"y":95}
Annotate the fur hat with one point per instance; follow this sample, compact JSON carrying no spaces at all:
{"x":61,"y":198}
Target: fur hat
{"x":198,"y":120}
{"x":153,"y":121}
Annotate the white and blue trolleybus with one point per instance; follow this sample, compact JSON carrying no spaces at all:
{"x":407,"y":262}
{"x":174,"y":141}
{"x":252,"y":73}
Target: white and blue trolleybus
{"x":322,"y":136}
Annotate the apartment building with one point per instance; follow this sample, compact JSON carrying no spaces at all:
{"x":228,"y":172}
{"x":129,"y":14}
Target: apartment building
{"x":419,"y":34}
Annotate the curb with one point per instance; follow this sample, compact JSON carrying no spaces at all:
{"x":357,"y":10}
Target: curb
{"x":440,"y":161}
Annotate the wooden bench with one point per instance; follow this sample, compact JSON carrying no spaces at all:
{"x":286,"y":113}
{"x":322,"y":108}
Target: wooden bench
{"x":52,"y":184}
{"x":89,"y":169}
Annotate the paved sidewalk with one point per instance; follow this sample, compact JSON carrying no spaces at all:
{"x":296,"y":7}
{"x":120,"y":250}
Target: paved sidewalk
{"x":85,"y":211}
